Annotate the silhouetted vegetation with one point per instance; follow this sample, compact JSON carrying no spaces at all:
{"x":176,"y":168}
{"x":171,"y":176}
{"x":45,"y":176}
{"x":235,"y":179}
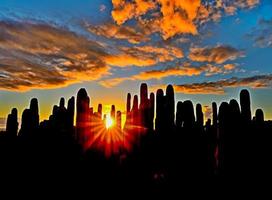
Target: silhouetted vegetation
{"x":159,"y":146}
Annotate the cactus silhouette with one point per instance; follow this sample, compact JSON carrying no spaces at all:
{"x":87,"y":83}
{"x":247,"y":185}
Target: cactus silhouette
{"x":12,"y":123}
{"x":119,"y":119}
{"x":199,"y":115}
{"x":214,"y":111}
{"x":259,"y":115}
{"x":245,"y":106}
{"x":179,"y":147}
{"x":189,"y":116}
{"x":179,"y":115}
{"x":112,"y":114}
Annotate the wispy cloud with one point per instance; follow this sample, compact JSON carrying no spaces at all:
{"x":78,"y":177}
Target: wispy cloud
{"x":186,"y":70}
{"x":102,"y":8}
{"x":218,"y":87}
{"x":218,"y":54}
{"x":142,"y":56}
{"x":119,"y":32}
{"x":262,"y":34}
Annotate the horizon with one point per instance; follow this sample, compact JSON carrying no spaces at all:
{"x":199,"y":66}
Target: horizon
{"x":107,"y":107}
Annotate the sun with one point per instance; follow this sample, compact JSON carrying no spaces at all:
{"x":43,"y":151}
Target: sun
{"x":109,"y":122}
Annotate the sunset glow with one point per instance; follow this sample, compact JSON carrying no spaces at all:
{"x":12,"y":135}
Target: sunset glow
{"x":112,"y":46}
{"x":109,"y":122}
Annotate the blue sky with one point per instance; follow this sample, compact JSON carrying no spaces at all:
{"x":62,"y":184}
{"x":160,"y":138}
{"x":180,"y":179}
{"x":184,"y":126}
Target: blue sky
{"x":244,"y":36}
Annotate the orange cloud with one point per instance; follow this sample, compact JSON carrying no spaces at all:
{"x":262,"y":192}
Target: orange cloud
{"x":218,"y":87}
{"x":176,"y":16}
{"x":120,"y":32}
{"x":185,"y":70}
{"x":35,"y":56}
{"x":125,"y":10}
{"x":153,"y":74}
{"x":143,"y":56}
{"x":229,"y":66}
{"x":218,"y":54}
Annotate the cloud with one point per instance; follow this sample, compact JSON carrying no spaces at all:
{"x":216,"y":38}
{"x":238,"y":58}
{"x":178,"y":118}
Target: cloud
{"x":230,"y":7}
{"x":120,"y":32}
{"x":229,"y":66}
{"x":218,"y":54}
{"x":218,"y":87}
{"x":142,"y":56}
{"x":176,"y":16}
{"x":153,"y":74}
{"x":262,"y":35}
{"x":186,"y":70}
{"x":246,"y":3}
{"x":38,"y":56}
{"x":102,"y":8}
{"x":124,"y":10}
{"x":35,"y":56}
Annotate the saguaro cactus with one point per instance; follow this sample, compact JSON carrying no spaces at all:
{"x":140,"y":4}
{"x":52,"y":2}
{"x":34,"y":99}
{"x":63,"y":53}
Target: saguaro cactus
{"x":245,"y":106}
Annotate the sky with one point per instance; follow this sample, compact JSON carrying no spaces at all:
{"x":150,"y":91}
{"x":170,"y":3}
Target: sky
{"x":208,"y":50}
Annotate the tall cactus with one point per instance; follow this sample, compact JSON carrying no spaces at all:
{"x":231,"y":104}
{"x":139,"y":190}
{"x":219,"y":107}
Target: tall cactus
{"x":119,"y":119}
{"x":234,"y":110}
{"x":34,"y":108}
{"x":99,"y":111}
{"x":151,"y":111}
{"x":245,"y":106}
{"x":12,"y":123}
{"x":179,"y":115}
{"x":113,"y":112}
{"x":83,"y":115}
{"x":62,"y":103}
{"x":159,"y":110}
{"x":189,"y":116}
{"x":170,"y":106}
{"x":199,"y":115}
{"x":30,"y":119}
{"x":214,"y":111}
{"x":71,"y":111}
